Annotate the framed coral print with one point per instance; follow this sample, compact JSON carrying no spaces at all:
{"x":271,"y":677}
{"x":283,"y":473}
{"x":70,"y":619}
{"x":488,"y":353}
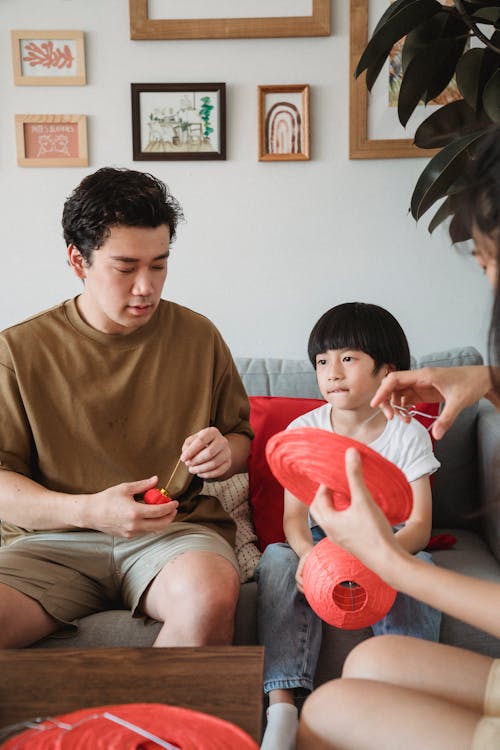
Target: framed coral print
{"x":51,"y":140}
{"x":48,"y":58}
{"x":219,"y":19}
{"x":374,"y":129}
{"x":178,"y":121}
{"x":284,"y":133}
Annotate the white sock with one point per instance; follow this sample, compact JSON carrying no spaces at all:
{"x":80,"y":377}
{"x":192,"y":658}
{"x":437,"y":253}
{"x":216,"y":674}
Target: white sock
{"x":281,"y":729}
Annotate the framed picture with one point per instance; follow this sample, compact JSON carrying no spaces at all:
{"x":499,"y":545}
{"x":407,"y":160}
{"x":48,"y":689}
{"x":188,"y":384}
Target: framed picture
{"x":178,"y":121}
{"x":284,"y":123}
{"x":220,"y":19}
{"x":374,"y":129}
{"x":48,"y":58}
{"x":51,"y":140}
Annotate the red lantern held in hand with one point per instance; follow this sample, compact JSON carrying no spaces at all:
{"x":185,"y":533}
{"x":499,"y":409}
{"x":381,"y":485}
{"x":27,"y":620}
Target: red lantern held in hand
{"x":339,"y":588}
{"x":342,"y":591}
{"x":156,"y":496}
{"x":303,"y":459}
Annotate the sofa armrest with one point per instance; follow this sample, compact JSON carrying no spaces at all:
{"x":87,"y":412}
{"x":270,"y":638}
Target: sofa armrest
{"x":488,"y":443}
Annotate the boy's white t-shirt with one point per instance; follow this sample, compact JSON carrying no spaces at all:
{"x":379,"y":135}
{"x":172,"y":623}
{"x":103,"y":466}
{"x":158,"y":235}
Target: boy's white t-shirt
{"x":406,"y":444}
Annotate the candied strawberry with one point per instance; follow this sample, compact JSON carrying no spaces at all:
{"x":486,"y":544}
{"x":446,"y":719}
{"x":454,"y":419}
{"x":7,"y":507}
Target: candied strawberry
{"x":156,"y":496}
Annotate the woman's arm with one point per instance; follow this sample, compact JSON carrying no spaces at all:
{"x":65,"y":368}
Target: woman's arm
{"x":364,"y":531}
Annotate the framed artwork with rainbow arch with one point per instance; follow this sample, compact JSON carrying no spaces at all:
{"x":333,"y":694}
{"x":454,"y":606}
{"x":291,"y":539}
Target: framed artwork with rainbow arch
{"x":284,"y":132}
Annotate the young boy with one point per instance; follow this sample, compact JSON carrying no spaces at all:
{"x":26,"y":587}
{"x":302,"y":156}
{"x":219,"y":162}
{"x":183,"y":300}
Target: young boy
{"x":352,"y":347}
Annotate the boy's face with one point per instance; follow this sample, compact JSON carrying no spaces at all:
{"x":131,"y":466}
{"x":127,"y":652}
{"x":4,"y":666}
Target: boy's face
{"x":125,"y":278}
{"x":346,"y":377}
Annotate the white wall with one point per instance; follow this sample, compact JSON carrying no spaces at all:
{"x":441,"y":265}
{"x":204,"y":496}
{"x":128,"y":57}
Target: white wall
{"x":267,"y":247}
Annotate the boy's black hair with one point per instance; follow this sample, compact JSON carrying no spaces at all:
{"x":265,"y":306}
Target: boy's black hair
{"x":111,"y":197}
{"x":362,"y":326}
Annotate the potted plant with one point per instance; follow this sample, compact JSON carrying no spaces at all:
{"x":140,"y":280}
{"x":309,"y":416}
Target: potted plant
{"x":458,"y":38}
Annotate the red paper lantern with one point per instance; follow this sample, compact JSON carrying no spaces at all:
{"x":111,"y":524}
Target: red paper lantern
{"x":132,"y":727}
{"x":156,"y":496}
{"x":343,"y":591}
{"x":304,"y":458}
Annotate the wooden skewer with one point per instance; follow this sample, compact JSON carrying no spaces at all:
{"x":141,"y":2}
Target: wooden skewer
{"x":172,"y":474}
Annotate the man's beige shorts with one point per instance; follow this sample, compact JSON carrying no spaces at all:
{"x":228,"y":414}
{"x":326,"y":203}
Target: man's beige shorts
{"x":76,"y":573}
{"x":487,"y":734}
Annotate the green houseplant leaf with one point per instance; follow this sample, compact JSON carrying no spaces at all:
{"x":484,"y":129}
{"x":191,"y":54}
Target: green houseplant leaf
{"x":397,"y":25}
{"x":491,"y":97}
{"x":448,"y":123}
{"x":436,"y":48}
{"x":427,"y":74}
{"x":442,"y":170}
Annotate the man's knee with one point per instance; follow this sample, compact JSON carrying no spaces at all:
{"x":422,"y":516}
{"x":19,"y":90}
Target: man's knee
{"x":201,"y":582}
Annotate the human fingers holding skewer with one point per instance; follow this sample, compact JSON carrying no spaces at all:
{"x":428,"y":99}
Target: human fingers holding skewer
{"x":458,"y":387}
{"x":207,"y":453}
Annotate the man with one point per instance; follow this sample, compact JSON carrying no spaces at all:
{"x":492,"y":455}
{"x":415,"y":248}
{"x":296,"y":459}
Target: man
{"x":99,"y":399}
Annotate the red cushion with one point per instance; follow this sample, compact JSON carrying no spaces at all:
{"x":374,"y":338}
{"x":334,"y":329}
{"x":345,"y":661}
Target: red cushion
{"x":269,"y":415}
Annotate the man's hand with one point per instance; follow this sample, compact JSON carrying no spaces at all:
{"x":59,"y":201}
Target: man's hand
{"x":458,"y":387}
{"x":114,"y":510}
{"x":207,"y":453}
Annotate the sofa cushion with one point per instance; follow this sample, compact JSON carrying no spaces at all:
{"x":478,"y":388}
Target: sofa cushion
{"x":455,"y":491}
{"x":269,"y":415}
{"x":233,"y":496}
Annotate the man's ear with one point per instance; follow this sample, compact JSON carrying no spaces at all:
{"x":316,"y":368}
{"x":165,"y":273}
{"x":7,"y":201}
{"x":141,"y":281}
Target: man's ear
{"x":77,"y":261}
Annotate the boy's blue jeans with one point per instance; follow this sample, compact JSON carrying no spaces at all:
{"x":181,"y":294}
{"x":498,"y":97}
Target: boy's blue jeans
{"x":291,"y":632}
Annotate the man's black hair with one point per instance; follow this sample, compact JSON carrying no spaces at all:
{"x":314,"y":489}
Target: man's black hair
{"x":112,"y":197}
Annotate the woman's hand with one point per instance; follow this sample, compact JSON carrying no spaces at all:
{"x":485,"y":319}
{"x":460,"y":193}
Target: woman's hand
{"x":458,"y":387}
{"x":361,"y":528}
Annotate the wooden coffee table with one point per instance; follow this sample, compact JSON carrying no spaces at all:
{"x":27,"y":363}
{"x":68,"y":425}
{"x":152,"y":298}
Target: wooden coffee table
{"x":225,"y":681}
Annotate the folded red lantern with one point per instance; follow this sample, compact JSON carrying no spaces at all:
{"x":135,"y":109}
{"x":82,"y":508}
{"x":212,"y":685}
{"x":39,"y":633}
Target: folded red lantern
{"x":343,"y":591}
{"x":304,"y":458}
{"x":135,"y":726}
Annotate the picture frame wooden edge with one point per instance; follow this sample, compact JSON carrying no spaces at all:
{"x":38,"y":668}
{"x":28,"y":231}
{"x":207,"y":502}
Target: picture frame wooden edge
{"x":81,"y":160}
{"x":300,"y":88}
{"x":139,"y":155}
{"x":360,"y":145}
{"x":142,"y":27}
{"x":80,"y":79}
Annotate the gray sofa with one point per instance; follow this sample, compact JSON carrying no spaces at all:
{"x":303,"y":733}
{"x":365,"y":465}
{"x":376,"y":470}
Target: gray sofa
{"x":464,"y":492}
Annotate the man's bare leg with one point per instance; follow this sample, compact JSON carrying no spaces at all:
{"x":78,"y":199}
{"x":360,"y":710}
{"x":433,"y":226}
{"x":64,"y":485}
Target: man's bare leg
{"x":195,"y":596}
{"x":23,"y":620}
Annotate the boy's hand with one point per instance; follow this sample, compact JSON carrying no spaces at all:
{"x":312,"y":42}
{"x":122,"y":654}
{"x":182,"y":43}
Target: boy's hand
{"x":300,"y":568}
{"x":207,"y":453}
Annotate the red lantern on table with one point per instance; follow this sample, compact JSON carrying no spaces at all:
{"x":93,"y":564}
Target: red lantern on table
{"x":134,"y":726}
